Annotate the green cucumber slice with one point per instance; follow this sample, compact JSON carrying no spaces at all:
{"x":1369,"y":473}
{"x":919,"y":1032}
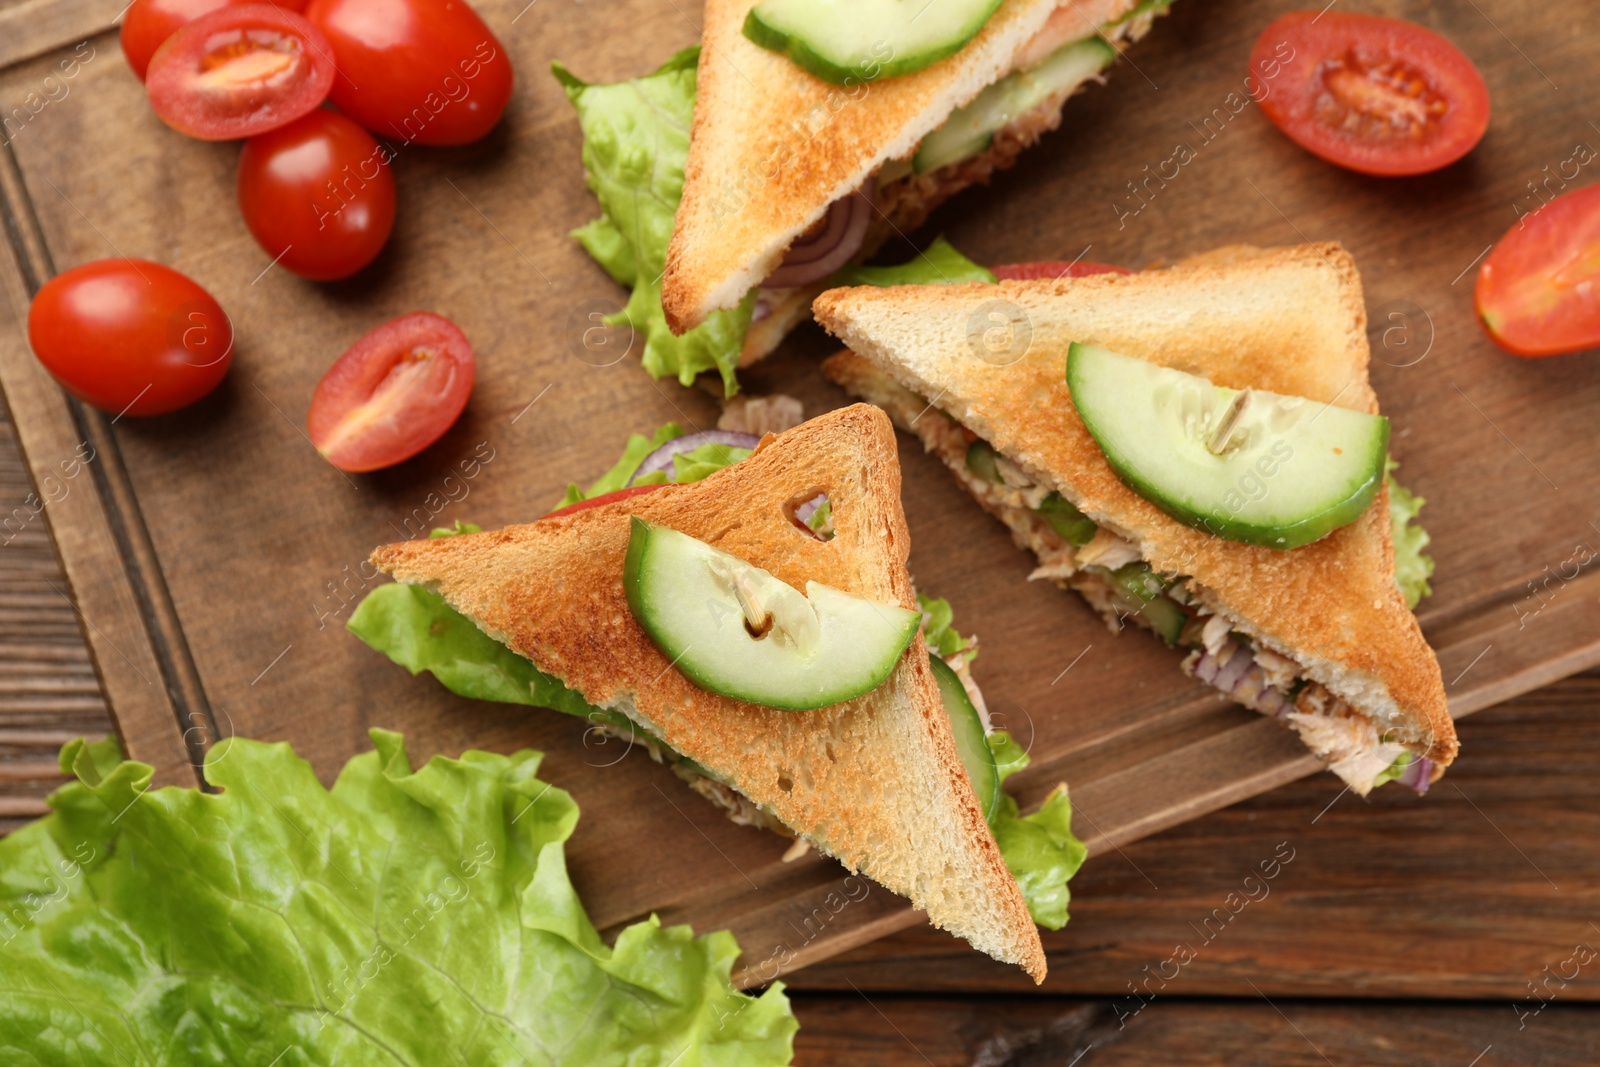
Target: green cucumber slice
{"x":810,"y":651}
{"x":969,"y":129}
{"x":847,"y":42}
{"x":971,"y":742}
{"x":1074,"y":527}
{"x":1143,"y":593}
{"x":1261,"y":468}
{"x":980,"y":461}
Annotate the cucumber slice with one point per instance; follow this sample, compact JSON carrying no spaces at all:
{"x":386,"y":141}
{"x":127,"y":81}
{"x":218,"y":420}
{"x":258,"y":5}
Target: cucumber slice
{"x":1143,"y":593}
{"x":980,"y":461}
{"x":971,"y":742}
{"x":806,"y":652}
{"x":1280,"y":471}
{"x":1074,"y":527}
{"x":969,"y":129}
{"x":852,"y":41}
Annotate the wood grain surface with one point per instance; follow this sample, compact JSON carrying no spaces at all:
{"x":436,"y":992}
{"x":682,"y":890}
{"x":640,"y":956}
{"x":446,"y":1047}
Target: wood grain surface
{"x":215,"y":557}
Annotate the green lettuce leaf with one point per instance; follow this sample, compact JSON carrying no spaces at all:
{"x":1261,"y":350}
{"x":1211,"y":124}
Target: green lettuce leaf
{"x":402,"y":917}
{"x":1412,"y":566}
{"x":456,"y":530}
{"x":638,"y":447}
{"x":1394,"y":770}
{"x":635,"y":144}
{"x":1039,"y":849}
{"x":938,"y":632}
{"x":941,"y":264}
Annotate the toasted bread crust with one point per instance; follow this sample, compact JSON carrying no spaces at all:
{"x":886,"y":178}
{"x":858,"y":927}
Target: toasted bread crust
{"x":876,"y":781}
{"x":1286,"y":320}
{"x":772,"y":145}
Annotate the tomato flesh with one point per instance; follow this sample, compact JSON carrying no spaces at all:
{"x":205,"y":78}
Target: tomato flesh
{"x":129,"y":336}
{"x":424,"y":71}
{"x":239,"y":71}
{"x":394,"y":393}
{"x":1538,"y":291}
{"x":1054,"y":268}
{"x":317,"y":195}
{"x":1376,"y":95}
{"x":607,"y":498}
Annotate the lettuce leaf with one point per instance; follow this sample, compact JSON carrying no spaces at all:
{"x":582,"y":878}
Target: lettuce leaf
{"x":638,"y":447}
{"x":635,"y":144}
{"x":938,"y":632}
{"x":1039,"y":849}
{"x":1412,"y":566}
{"x":940,"y":264}
{"x":402,"y":917}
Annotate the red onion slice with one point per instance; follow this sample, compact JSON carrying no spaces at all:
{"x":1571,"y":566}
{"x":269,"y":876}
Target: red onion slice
{"x":661,"y":458}
{"x":814,"y":257}
{"x":1417,"y":774}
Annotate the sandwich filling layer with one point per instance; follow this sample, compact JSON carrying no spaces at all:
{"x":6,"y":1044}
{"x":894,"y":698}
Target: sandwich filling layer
{"x":1108,"y":570}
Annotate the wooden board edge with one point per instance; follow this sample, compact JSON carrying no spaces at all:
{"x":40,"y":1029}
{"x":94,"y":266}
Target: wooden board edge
{"x":33,"y":28}
{"x":83,"y":493}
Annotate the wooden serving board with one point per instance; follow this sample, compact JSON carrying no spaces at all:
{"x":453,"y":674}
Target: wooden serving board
{"x":214,"y":557}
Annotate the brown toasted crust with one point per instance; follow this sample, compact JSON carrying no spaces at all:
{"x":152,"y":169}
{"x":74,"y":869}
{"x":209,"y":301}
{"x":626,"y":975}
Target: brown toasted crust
{"x":876,"y":781}
{"x":1286,"y":320}
{"x":772,"y":146}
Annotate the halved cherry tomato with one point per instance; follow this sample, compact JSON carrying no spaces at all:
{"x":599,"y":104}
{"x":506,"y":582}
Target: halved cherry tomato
{"x":393,"y":394}
{"x":606,"y":498}
{"x":148,"y":24}
{"x":1054,"y":268}
{"x":1538,"y":292}
{"x":239,"y":71}
{"x":130,"y":336}
{"x":1376,"y":95}
{"x":427,"y":71}
{"x":317,"y":195}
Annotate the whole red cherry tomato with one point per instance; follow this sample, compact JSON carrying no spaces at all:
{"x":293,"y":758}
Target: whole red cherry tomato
{"x":317,"y":195}
{"x":130,"y":336}
{"x":393,"y":394}
{"x":1055,"y":268}
{"x":239,"y":71}
{"x":427,"y":71}
{"x":1538,"y":292}
{"x":1376,"y":95}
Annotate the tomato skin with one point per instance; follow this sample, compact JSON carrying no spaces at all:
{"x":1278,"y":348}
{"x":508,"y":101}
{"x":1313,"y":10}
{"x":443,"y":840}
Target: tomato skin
{"x":149,"y":23}
{"x":1538,"y":291}
{"x":394,"y":393}
{"x":129,"y":336}
{"x":606,"y":498}
{"x":1426,"y":105}
{"x":428,"y":71}
{"x":205,"y":80}
{"x":317,"y":195}
{"x":1054,"y":268}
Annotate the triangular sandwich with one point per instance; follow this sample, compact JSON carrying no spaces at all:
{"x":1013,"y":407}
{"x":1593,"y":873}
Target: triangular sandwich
{"x":875,"y":781}
{"x":1319,"y":636}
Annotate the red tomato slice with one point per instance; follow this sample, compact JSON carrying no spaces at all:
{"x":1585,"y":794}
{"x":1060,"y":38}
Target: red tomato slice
{"x":318,"y":195}
{"x":1054,"y":268}
{"x":427,"y":71}
{"x":1538,"y":292}
{"x":149,"y":23}
{"x":239,"y":71}
{"x":1376,"y":95}
{"x":607,"y":498}
{"x":393,"y":394}
{"x":130,"y":336}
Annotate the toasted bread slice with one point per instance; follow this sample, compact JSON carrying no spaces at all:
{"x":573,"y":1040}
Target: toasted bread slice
{"x":875,"y":782}
{"x":1286,"y":320}
{"x":773,"y":145}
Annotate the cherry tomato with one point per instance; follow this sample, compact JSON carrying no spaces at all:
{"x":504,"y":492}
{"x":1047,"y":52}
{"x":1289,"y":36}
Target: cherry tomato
{"x":607,"y":498}
{"x":393,"y":394}
{"x":130,"y":336}
{"x":148,"y":24}
{"x":1538,"y":292}
{"x":427,"y":71}
{"x":1376,"y":95}
{"x":1055,"y":268}
{"x":239,"y":71}
{"x":317,"y":195}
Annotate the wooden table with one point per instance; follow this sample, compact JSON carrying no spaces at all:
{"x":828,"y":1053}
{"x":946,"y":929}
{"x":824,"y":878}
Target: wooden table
{"x":1403,"y":930}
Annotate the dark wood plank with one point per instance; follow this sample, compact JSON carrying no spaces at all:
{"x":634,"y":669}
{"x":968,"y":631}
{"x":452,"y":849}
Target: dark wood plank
{"x":217,"y":554}
{"x":1471,"y":891}
{"x":889,"y":1031}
